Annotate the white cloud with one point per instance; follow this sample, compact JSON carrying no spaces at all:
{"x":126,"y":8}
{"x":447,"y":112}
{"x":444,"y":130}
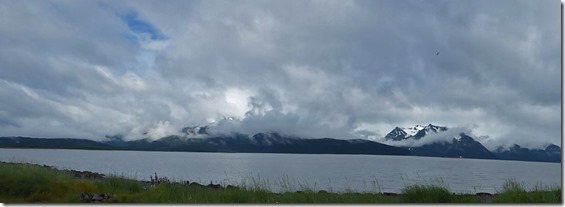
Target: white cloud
{"x":161,"y":129}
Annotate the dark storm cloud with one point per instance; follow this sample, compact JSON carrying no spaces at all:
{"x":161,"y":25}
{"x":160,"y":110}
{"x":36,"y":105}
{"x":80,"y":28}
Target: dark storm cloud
{"x":345,"y":69}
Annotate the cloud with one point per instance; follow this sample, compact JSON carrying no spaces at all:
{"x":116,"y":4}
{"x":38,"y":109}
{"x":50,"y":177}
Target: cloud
{"x":161,"y":129}
{"x":266,"y":114}
{"x":344,"y":69}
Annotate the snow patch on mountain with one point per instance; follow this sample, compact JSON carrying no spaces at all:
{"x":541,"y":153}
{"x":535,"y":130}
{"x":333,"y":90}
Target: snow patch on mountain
{"x":411,"y":131}
{"x":432,"y":134}
{"x":458,"y":137}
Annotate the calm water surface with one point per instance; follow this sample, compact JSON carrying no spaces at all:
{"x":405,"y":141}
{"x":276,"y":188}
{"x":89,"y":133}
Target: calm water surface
{"x":290,"y":172}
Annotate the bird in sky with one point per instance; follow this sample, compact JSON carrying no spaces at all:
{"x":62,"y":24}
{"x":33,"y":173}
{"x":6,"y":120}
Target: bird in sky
{"x":437,"y":53}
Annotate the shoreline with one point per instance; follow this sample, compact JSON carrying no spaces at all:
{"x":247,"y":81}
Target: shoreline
{"x":162,"y":183}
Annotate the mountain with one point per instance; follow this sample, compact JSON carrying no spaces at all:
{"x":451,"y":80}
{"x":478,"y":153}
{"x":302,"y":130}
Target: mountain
{"x":267,"y":143}
{"x":200,"y":139}
{"x":416,"y":132}
{"x":553,"y":149}
{"x":235,"y":142}
{"x":197,"y":131}
{"x":396,"y":134}
{"x":58,"y":143}
{"x":460,"y":146}
{"x":463,"y":146}
{"x":203,"y":131}
{"x":552,"y":153}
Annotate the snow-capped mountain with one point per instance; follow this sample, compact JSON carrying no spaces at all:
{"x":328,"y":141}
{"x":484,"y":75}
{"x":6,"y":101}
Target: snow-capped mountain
{"x":456,"y":144}
{"x":416,"y":132}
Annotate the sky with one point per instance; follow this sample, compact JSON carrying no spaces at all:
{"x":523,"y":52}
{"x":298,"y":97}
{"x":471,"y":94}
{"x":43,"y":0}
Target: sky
{"x":320,"y":68}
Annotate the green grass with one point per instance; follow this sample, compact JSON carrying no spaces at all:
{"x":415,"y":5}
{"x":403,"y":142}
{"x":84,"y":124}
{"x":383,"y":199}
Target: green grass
{"x":513,"y":192}
{"x":33,"y":183}
{"x":27,"y":183}
{"x":433,"y":194}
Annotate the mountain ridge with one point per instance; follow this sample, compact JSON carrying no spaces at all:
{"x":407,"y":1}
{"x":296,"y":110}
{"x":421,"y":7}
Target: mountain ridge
{"x":266,"y":143}
{"x":464,"y":146}
{"x":199,"y":139}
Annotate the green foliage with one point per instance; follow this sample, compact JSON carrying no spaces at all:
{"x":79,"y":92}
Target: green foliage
{"x":513,"y":192}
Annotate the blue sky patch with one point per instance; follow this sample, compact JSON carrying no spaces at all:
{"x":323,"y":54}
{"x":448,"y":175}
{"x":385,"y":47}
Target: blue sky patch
{"x":137,"y":25}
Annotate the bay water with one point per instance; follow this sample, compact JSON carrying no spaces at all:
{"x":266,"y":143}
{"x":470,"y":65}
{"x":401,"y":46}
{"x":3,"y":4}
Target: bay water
{"x":291,"y":172}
